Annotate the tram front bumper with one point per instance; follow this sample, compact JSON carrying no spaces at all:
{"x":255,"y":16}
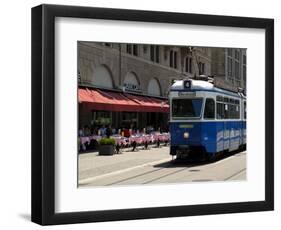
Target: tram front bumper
{"x":187,"y":150}
{"x":180,"y":150}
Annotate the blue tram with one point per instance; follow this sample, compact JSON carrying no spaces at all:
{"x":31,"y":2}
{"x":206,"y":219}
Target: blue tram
{"x":205,"y":120}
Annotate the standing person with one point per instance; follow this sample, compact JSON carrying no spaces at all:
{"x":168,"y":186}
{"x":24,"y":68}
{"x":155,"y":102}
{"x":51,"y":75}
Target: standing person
{"x":108,"y":131}
{"x":113,"y":130}
{"x":87,"y":131}
{"x":102,"y":131}
{"x":81,"y":132}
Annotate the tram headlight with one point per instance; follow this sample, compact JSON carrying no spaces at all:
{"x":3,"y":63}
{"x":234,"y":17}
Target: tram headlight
{"x":185,"y":135}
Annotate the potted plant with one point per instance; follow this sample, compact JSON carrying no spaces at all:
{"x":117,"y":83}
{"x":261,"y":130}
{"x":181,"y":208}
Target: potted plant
{"x":106,"y":146}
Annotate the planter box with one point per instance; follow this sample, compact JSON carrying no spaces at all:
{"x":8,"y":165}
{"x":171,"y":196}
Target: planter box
{"x":106,"y":149}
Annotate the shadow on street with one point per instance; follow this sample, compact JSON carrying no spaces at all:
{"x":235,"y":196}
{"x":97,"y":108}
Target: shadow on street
{"x":195,"y":162}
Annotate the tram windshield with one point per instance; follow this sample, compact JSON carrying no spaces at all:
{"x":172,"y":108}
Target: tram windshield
{"x":186,"y":108}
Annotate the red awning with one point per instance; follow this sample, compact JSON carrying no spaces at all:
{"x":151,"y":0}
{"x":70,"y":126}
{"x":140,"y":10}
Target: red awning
{"x":114,"y":101}
{"x":150,"y":104}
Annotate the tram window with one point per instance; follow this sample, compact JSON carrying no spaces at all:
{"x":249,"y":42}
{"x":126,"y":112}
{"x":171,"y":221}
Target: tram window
{"x":226,"y":111}
{"x":219,"y":98}
{"x":209,"y":112}
{"x":233,"y":116}
{"x":237,"y":111}
{"x":186,"y":108}
{"x":233,"y":111}
{"x":220,"y":111}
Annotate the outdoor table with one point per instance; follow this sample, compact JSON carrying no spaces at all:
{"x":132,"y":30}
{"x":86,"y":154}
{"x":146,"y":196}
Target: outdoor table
{"x":136,"y":138}
{"x":120,"y":140}
{"x":84,"y":140}
{"x":95,"y":137}
{"x":87,"y":139}
{"x":139,"y":139}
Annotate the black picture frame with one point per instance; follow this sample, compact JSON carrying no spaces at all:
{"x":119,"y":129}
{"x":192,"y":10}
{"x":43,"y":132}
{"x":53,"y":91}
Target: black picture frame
{"x":43,"y":114}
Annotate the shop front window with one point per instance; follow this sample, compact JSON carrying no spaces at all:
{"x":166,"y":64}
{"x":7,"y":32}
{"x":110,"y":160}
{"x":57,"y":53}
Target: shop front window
{"x":129,"y":120}
{"x":101,"y":118}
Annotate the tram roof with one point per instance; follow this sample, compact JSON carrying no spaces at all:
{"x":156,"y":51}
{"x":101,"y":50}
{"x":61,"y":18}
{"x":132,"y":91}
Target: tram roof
{"x":200,"y":85}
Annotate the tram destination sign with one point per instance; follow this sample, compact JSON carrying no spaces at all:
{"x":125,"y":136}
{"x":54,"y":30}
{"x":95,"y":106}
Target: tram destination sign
{"x":187,"y":94}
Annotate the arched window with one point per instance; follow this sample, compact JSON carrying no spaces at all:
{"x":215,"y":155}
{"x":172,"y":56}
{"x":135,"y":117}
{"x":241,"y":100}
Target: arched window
{"x":132,"y":49}
{"x":201,"y":68}
{"x":188,"y":64}
{"x":173,"y":59}
{"x":154,"y":53}
{"x":102,"y":77}
{"x":154,"y":87}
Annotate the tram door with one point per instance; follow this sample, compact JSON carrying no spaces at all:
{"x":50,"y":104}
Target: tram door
{"x":244,"y":117}
{"x":222,"y":126}
{"x":226,"y":132}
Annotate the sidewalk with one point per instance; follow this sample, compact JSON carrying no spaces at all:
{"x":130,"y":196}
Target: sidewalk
{"x":92,"y":165}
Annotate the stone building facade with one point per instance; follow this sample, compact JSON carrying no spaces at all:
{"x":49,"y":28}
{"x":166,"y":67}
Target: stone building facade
{"x":229,"y":64}
{"x":141,"y":69}
{"x":154,"y":67}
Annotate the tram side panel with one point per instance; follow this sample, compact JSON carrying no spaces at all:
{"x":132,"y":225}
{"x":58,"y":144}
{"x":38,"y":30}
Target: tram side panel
{"x":231,"y":135}
{"x":243,"y":123}
{"x":209,"y":137}
{"x":235,"y":135}
{"x":244,"y":126}
{"x":226,"y":136}
{"x":220,"y":136}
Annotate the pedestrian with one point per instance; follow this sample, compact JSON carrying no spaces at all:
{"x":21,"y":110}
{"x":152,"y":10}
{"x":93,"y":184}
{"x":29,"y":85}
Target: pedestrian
{"x":102,"y":130}
{"x":134,"y":145}
{"x":87,"y":131}
{"x":108,"y":131}
{"x":81,"y":132}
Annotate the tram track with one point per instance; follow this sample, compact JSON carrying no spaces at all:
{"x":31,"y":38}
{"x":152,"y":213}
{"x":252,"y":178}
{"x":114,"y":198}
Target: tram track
{"x":171,"y":165}
{"x":134,"y":177}
{"x":166,"y":175}
{"x":147,"y":173}
{"x":235,"y":174}
{"x":164,"y":171}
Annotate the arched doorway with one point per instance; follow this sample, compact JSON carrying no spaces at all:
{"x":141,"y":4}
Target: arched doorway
{"x":154,"y":88}
{"x":131,"y":84}
{"x":102,"y":77}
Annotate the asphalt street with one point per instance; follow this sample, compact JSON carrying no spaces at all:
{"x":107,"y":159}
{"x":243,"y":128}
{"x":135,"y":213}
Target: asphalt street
{"x":155,"y":166}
